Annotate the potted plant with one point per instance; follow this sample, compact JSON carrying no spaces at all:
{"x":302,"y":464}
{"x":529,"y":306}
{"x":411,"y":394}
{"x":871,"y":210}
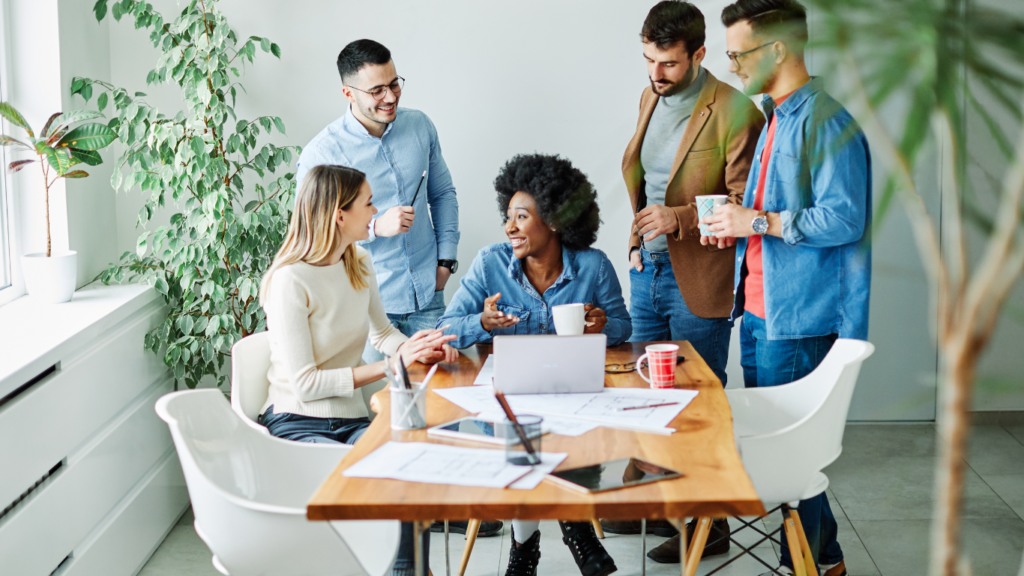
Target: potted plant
{"x":50,"y":276}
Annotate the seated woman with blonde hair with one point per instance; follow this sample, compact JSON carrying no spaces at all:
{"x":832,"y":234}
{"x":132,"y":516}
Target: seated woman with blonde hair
{"x":321,"y":300}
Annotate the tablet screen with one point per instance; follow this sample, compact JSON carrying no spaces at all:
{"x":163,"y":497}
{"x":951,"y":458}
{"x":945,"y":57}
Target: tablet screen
{"x":470,"y":426}
{"x":616,"y":474}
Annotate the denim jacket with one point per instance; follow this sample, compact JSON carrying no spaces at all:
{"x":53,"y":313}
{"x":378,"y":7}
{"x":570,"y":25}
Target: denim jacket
{"x":817,"y":277}
{"x":587,"y":277}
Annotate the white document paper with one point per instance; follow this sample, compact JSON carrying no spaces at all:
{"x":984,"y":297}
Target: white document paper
{"x":440,"y":464}
{"x":600,"y":407}
{"x":548,"y":462}
{"x":552,"y":424}
{"x":486,"y":374}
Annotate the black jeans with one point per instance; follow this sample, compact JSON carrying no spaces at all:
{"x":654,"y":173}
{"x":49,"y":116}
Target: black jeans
{"x":343,"y":431}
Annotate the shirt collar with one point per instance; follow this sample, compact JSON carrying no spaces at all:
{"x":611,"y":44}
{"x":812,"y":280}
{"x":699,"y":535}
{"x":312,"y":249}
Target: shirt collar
{"x":515,"y":267}
{"x":356,"y":127}
{"x":795,"y":99}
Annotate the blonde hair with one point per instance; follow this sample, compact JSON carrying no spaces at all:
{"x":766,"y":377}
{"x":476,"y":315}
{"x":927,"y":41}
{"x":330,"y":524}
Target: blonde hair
{"x":312,"y":233}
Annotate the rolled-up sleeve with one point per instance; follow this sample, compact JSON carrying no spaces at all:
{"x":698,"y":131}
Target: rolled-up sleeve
{"x":464,"y":311}
{"x":608,"y":296}
{"x":840,"y":180}
{"x":444,"y":205}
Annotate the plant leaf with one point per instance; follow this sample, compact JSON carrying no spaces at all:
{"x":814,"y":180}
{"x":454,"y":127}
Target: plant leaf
{"x":88,"y":137}
{"x":7,"y":140}
{"x":100,"y":8}
{"x":90,"y":157}
{"x":101,"y":102}
{"x":46,"y":127}
{"x":18,"y":165}
{"x":77,"y":174}
{"x":72,"y":117}
{"x":59,"y":159}
{"x":275,"y":50}
{"x":279,"y":124}
{"x":15,"y":117}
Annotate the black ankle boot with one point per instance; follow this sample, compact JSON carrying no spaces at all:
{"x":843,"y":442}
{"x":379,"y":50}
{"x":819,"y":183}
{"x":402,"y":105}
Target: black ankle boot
{"x":590,"y":555}
{"x":522,"y":559}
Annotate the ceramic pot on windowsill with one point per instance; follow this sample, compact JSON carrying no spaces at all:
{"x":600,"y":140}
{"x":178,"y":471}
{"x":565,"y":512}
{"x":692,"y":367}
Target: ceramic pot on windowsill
{"x":50,"y":280}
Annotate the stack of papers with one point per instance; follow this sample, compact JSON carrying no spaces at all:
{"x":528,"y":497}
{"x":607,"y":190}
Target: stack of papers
{"x":601,"y":408}
{"x":441,"y":464}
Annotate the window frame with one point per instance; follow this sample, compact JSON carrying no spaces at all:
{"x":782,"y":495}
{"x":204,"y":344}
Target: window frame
{"x":14,"y":286}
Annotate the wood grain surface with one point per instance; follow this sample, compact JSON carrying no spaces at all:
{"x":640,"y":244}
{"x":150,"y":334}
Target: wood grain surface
{"x":715,"y":483}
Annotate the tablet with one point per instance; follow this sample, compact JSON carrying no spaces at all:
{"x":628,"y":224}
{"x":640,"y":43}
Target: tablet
{"x":471,"y":428}
{"x":612,"y":475}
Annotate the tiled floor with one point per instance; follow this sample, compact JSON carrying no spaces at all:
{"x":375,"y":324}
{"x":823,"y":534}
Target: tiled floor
{"x":880,"y":492}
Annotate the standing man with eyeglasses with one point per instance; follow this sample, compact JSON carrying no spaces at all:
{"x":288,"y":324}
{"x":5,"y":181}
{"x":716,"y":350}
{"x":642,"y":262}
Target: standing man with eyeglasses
{"x":803,"y":260}
{"x":695,"y":136}
{"x":414,"y":251}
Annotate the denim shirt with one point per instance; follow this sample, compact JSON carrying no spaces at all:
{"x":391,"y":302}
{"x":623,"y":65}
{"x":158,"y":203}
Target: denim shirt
{"x":587,"y":277}
{"x":406,"y":264}
{"x":817,"y":277}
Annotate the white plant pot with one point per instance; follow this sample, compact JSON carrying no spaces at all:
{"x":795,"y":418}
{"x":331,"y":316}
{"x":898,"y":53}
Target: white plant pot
{"x":50,"y":280}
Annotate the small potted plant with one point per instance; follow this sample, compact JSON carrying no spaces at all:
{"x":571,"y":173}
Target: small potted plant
{"x":50,"y":276}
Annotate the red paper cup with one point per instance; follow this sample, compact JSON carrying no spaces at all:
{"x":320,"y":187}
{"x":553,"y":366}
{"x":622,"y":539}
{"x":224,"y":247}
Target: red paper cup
{"x":661,"y":360}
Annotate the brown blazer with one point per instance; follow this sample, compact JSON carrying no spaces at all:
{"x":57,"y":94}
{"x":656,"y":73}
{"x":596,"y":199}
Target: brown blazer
{"x":714,"y":157}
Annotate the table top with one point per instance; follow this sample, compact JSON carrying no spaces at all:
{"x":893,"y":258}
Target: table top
{"x":714,"y":483}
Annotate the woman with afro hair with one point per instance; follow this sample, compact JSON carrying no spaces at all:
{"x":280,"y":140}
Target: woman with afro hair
{"x":551,"y":220}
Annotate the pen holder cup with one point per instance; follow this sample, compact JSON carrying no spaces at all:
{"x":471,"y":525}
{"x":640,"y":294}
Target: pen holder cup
{"x":408,"y":408}
{"x":515,"y":452}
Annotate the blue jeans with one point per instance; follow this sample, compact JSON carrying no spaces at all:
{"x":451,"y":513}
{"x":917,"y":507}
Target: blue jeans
{"x":773,"y":363}
{"x":660,"y":313}
{"x":301,"y":428}
{"x":409,"y":324}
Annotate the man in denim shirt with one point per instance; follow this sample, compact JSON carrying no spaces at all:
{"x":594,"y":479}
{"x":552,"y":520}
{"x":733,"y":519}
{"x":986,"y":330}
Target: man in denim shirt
{"x":414,"y":253}
{"x":803,"y":266}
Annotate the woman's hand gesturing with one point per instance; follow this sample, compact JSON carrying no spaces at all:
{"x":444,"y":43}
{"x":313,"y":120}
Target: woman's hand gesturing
{"x":492,"y":318}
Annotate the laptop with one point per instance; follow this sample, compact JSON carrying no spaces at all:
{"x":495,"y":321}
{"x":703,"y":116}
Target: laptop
{"x":549,"y":364}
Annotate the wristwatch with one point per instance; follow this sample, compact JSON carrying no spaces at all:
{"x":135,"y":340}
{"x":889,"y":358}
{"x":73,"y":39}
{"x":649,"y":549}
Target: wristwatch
{"x":452,"y":265}
{"x":760,"y":223}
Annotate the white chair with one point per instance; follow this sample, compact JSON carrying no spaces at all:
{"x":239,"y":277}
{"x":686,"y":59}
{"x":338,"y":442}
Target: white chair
{"x":250,"y":361}
{"x":786,"y":436}
{"x":249,"y":492}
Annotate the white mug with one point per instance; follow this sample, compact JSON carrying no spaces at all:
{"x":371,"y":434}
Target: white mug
{"x":570,"y":319}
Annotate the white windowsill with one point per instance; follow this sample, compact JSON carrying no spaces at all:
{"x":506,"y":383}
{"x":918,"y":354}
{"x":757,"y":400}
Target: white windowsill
{"x":35,"y":336}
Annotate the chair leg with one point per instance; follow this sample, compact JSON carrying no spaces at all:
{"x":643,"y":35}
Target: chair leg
{"x":700,"y":537}
{"x":471,"y":531}
{"x":809,"y":565}
{"x":681,"y":526}
{"x":598,"y":529}
{"x":793,"y":541}
{"x":643,"y":547}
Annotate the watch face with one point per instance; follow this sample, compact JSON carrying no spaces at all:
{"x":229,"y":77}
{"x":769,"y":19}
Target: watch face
{"x":455,"y":266}
{"x":760,"y":225}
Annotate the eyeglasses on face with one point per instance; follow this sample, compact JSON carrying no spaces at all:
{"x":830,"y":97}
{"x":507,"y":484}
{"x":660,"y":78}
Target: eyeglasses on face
{"x":378,"y":92}
{"x":737,"y":56}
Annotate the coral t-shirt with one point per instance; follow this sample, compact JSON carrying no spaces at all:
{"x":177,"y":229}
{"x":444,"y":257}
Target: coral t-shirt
{"x":753,"y":288}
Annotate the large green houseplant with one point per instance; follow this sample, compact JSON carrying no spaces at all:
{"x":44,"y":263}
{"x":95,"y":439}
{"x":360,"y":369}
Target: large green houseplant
{"x":208,"y":260}
{"x":947,"y":62}
{"x":57,"y":149}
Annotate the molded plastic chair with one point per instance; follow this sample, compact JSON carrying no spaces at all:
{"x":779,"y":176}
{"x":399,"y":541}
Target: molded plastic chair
{"x":250,"y":361}
{"x":787,"y":434}
{"x":249,"y":492}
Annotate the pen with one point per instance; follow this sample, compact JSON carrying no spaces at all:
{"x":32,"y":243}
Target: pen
{"x":648,"y":406}
{"x":405,"y":373}
{"x":531,"y":454}
{"x":413,"y":203}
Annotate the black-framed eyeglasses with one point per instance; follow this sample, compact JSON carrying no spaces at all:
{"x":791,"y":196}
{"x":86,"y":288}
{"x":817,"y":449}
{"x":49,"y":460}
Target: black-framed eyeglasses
{"x":378,"y":92}
{"x":631,"y":366}
{"x":736,"y":56}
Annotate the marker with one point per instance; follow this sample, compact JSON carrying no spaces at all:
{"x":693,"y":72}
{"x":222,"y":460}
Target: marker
{"x":648,"y":406}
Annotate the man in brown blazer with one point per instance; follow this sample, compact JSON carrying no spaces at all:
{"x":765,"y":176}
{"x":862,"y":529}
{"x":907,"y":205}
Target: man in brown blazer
{"x":695,"y":136}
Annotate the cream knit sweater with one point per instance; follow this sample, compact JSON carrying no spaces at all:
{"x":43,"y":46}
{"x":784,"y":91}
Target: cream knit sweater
{"x":318,"y":326}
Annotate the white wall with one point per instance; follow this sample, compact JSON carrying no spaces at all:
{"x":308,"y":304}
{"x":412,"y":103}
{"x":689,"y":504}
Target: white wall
{"x":501,"y":78}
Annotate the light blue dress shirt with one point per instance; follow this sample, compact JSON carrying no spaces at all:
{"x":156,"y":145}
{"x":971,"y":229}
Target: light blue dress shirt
{"x":394,"y":164}
{"x":817,"y":277}
{"x":587,"y":278}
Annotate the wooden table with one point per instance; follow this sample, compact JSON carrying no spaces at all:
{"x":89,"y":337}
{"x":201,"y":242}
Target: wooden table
{"x":715,"y":483}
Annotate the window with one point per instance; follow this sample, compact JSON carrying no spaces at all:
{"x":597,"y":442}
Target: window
{"x":9,"y":285}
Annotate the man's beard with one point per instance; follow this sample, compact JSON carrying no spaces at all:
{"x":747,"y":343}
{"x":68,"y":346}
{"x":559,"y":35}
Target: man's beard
{"x":762,"y":86}
{"x":371,"y":113}
{"x":679,"y":86}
